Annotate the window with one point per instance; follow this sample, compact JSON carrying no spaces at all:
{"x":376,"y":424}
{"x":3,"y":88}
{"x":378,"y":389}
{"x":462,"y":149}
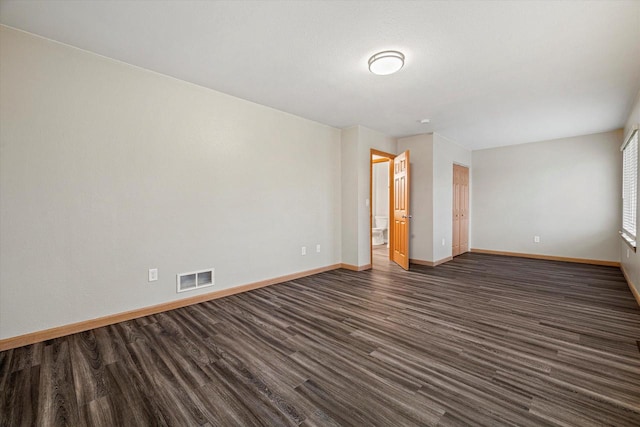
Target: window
{"x":630,"y":187}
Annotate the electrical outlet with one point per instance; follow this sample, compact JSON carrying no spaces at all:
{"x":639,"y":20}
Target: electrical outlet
{"x":318,"y":248}
{"x":536,"y":239}
{"x":443,"y":241}
{"x":304,"y":250}
{"x":153,"y":274}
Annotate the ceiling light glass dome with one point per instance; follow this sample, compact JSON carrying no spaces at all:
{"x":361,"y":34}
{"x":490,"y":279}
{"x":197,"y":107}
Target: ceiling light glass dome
{"x":385,"y":63}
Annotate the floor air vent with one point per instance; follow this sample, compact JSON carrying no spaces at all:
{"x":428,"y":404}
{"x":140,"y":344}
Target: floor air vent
{"x":195,"y":280}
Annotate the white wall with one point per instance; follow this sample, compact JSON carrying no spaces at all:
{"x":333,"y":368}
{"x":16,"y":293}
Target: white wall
{"x":380,"y":193}
{"x":108,"y":170}
{"x":357,"y":142}
{"x":445,"y":154}
{"x":420,"y":195}
{"x":566,"y":191}
{"x":432,"y":158}
{"x":349,"y":158}
{"x":631,"y":260}
{"x":380,"y":202}
{"x":368,"y":139}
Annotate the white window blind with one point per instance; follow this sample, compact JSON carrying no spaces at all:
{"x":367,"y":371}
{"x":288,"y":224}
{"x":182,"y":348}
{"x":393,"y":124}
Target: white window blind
{"x":630,"y":185}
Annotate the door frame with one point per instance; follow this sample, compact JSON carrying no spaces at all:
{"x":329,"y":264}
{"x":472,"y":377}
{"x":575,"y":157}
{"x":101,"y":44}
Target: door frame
{"x":389,"y":159}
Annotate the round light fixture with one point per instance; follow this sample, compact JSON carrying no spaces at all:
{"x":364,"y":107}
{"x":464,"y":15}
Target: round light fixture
{"x":385,"y":63}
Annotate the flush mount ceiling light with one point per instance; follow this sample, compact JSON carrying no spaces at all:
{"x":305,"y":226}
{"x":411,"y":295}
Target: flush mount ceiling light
{"x":385,"y":63}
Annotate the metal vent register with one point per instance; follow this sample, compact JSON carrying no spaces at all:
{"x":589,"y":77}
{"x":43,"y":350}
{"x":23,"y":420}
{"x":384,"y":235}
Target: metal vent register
{"x":195,"y":280}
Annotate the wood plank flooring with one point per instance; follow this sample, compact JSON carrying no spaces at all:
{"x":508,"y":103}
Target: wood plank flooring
{"x":481,"y":340}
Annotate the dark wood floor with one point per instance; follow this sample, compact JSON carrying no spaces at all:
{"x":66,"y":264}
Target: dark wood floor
{"x":481,"y":340}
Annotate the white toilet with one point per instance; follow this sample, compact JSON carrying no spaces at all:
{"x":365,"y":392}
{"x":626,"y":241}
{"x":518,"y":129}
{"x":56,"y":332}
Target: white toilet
{"x":377,"y":233}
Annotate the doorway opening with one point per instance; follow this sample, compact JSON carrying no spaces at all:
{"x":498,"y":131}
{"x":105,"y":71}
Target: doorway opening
{"x":381,"y":175}
{"x":382,"y":241}
{"x":388,"y":240}
{"x":392,"y":242}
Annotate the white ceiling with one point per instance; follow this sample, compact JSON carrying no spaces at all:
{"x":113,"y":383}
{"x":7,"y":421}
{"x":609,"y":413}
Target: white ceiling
{"x":485,"y":73}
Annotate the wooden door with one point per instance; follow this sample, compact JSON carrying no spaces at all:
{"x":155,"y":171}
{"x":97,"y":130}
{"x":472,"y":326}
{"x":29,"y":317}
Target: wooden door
{"x":401,"y":210}
{"x":460,"y":238}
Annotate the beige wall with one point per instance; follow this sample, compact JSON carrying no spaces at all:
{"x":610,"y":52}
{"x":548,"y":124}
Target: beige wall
{"x":631,"y":260}
{"x":566,"y":191}
{"x":108,"y":170}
